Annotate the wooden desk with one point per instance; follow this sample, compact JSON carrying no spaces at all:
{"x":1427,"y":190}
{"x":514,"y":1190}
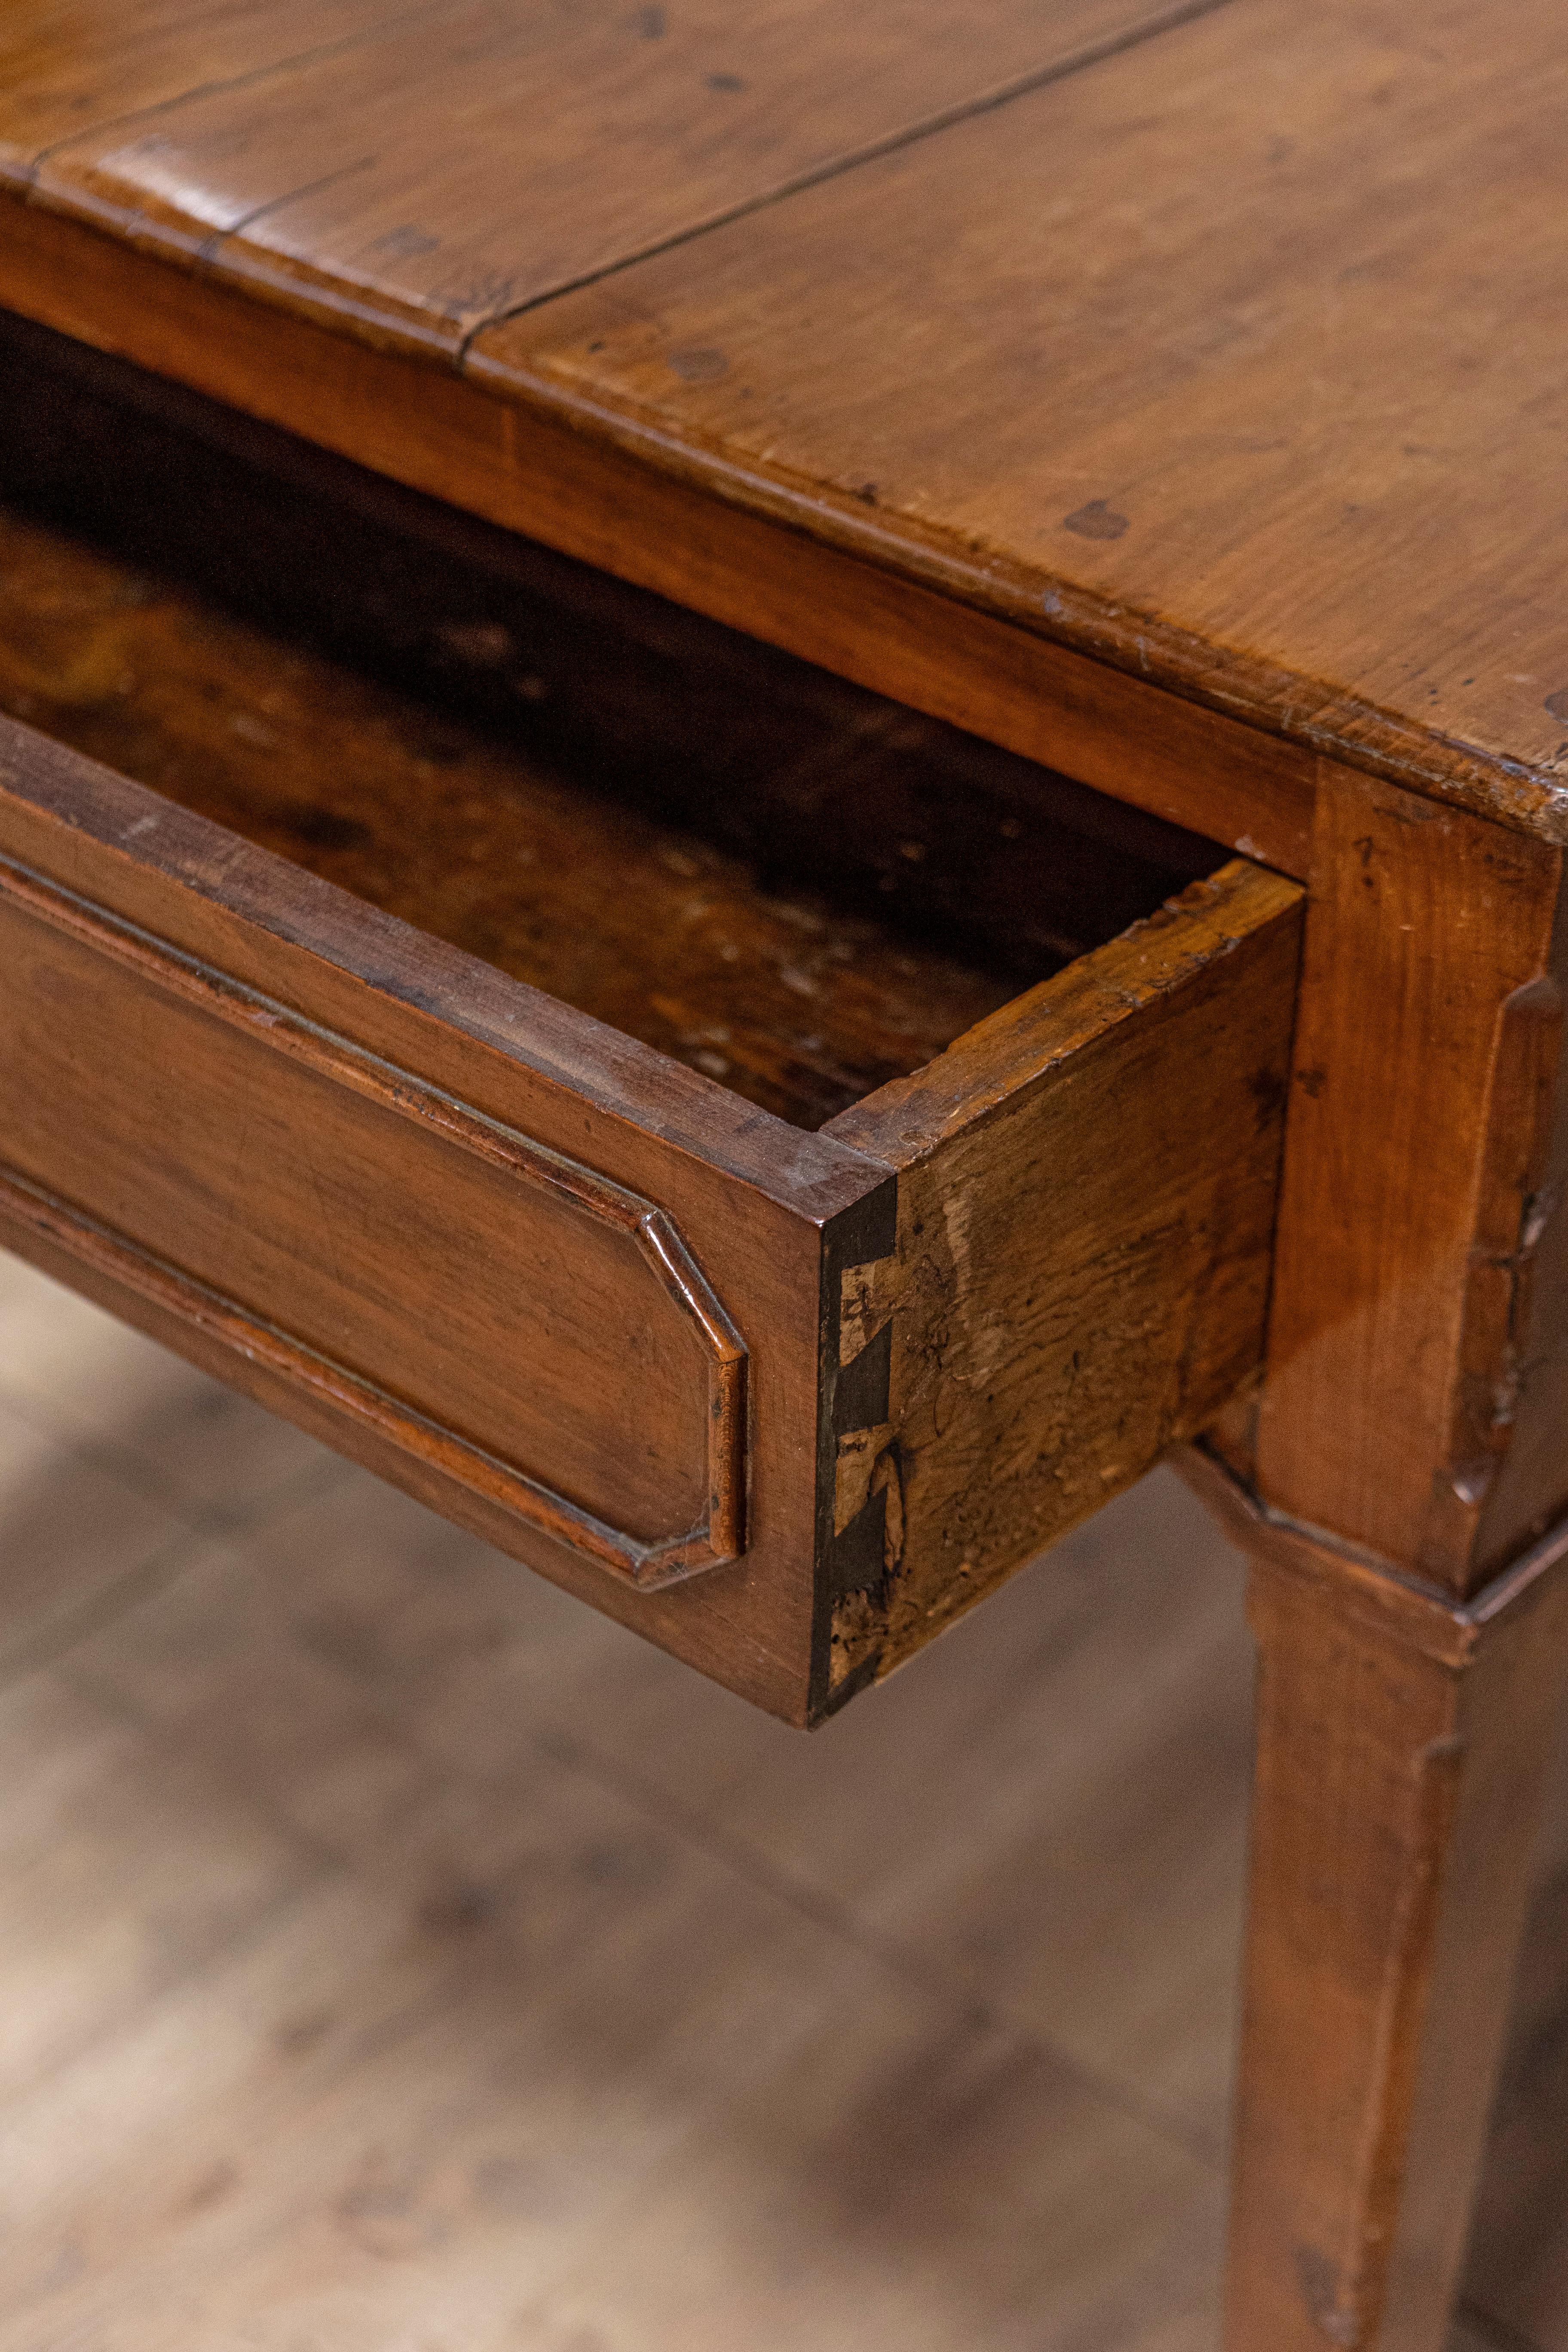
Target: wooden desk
{"x":1169,"y":397}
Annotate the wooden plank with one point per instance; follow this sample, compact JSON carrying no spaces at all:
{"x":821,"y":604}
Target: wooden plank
{"x":322,"y":1205}
{"x":1049,"y":1807}
{"x":493,"y":1806}
{"x":1404,"y":1745}
{"x":1238,"y":356}
{"x":632,"y":503}
{"x":66,"y":70}
{"x":110,"y":1909}
{"x":1412,"y":1201}
{"x":78,"y":1527}
{"x":1363,"y":642}
{"x":76,"y":67}
{"x":207,"y":1454}
{"x":1521,"y":1343}
{"x":514,"y":2045}
{"x":1086,"y":1211}
{"x":459,"y":160}
{"x":1516,"y":2276}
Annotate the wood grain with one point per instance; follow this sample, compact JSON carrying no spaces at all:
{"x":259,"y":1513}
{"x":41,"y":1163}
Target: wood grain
{"x":1085,"y":1208}
{"x":1413,"y":1198}
{"x":557,"y":1296}
{"x":1530,"y":1484}
{"x":629,"y":502}
{"x":748,"y":974}
{"x":67,"y":69}
{"x":1247,"y":263}
{"x":1404,"y":1743}
{"x":429,"y":1906}
{"x":249,"y":1149}
{"x":259,"y":1129}
{"x":381,"y":178}
{"x":1236,"y":357}
{"x":930,"y":828}
{"x":333,"y":1220}
{"x":1183,"y":424}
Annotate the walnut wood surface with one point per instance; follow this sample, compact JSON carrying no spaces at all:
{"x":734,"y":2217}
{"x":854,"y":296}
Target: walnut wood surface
{"x":134,"y":1134}
{"x":536,"y":473}
{"x":1403,"y":1747}
{"x":1181,"y":421}
{"x":896,"y":879}
{"x":1529,"y":1290}
{"x":1086,"y":1212}
{"x":496,"y":153}
{"x":408,"y":1269}
{"x":1180,"y":349}
{"x":1135,"y":412}
{"x":1415,"y":1194}
{"x":815,"y":780}
{"x":1413,"y":1405}
{"x":56,"y":84}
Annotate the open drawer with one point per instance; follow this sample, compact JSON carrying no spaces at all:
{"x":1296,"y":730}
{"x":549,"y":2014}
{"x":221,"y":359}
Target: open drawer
{"x":861,"y":1198}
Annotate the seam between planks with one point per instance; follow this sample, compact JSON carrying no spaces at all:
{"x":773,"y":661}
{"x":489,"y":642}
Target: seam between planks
{"x":910,"y":134}
{"x":349,"y":42}
{"x":1091,"y":53}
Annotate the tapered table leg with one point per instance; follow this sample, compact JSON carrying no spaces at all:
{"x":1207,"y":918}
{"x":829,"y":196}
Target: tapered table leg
{"x":1402,"y":1745}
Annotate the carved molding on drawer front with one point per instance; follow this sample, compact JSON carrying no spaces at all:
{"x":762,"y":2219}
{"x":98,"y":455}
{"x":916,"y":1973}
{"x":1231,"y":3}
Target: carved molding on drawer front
{"x":719,"y":1533}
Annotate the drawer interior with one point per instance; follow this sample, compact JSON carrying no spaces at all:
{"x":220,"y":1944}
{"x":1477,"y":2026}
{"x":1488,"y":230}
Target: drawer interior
{"x":792,"y":885}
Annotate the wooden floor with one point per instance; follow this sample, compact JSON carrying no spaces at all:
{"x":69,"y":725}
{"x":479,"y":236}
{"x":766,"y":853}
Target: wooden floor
{"x":396,"y":1958}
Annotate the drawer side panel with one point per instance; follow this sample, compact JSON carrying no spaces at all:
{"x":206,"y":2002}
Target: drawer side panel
{"x":1086,"y":1210}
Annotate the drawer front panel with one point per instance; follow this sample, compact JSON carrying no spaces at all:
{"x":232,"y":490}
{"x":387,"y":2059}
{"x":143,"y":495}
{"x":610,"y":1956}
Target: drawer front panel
{"x":542,"y":1333}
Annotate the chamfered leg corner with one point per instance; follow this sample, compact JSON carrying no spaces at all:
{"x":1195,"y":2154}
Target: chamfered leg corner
{"x":1403,"y":1741}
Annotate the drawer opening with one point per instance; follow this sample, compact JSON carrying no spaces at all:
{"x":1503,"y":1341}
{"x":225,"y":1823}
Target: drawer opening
{"x":790,"y":884}
{"x":786,"y":1396}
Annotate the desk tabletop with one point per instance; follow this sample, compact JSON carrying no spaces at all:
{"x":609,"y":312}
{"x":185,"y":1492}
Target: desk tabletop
{"x":1222,"y":342}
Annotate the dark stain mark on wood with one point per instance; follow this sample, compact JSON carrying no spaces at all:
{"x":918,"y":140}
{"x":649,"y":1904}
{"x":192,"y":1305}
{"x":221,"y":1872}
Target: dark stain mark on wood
{"x":701,"y":366}
{"x":1096,"y":521}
